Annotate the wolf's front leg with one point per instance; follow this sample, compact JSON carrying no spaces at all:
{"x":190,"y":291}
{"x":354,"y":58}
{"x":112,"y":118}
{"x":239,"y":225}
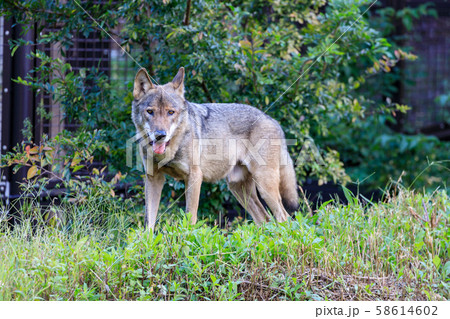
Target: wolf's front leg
{"x":193,"y":186}
{"x":153,"y":187}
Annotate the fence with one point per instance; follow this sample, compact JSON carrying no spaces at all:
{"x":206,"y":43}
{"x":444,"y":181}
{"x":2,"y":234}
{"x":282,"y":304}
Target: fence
{"x":430,"y":40}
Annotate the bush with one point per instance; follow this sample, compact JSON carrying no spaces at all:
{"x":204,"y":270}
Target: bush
{"x":306,"y":63}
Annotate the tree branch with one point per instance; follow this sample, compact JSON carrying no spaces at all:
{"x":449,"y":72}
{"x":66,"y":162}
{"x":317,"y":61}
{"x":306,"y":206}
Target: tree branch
{"x":187,"y":13}
{"x":205,"y":89}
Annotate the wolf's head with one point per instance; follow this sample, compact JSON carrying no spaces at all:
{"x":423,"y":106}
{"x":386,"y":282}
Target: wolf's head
{"x":157,"y":110}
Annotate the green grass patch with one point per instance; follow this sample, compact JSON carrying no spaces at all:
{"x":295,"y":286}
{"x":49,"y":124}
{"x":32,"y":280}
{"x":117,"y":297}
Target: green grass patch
{"x":396,"y":250}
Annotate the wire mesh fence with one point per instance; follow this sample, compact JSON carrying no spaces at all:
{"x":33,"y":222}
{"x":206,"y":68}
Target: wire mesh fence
{"x":430,"y":74}
{"x":88,"y":52}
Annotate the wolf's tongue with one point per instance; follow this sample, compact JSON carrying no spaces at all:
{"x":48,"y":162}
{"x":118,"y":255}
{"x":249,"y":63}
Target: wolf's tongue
{"x":159,"y":148}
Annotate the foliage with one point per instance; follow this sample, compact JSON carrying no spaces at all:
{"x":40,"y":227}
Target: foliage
{"x":83,"y":96}
{"x":373,"y":153}
{"x":61,"y":161}
{"x":370,"y":149}
{"x":309,"y":64}
{"x":396,"y":250}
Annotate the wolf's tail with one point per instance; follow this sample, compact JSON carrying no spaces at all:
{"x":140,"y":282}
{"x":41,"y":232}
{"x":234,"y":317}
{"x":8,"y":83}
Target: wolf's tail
{"x":288,"y":186}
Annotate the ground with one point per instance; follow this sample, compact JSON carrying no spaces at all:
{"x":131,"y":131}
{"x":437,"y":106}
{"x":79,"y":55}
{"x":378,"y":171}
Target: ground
{"x":397,"y":249}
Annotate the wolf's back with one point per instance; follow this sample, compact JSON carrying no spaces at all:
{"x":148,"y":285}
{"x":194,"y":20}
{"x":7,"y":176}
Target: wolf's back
{"x":241,"y":121}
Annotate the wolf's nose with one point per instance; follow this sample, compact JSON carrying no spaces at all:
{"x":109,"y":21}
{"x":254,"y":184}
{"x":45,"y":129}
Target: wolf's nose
{"x":159,"y":135}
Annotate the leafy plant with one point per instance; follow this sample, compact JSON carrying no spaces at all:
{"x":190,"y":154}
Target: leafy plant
{"x":307,"y":64}
{"x":394,"y":250}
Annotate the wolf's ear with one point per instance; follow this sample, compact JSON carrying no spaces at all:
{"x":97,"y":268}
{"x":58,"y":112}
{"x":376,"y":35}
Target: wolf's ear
{"x":178,"y":82}
{"x":142,"y":84}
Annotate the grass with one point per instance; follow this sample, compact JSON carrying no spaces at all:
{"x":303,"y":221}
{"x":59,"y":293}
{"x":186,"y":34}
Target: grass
{"x":395,"y":250}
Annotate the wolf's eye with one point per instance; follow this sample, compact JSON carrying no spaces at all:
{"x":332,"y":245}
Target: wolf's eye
{"x":170,"y":112}
{"x":150,"y":112}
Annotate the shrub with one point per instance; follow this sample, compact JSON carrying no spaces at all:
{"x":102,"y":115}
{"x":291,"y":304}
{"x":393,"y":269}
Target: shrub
{"x":305,"y":63}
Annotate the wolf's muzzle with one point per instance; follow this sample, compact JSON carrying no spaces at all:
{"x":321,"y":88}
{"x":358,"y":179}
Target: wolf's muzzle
{"x":159,"y":135}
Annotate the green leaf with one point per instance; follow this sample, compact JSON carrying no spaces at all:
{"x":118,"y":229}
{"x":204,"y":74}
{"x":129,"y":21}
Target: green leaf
{"x":348,"y":195}
{"x":186,"y":250}
{"x":14,"y":49}
{"x":80,"y":243}
{"x":77,"y":168}
{"x":446,"y":269}
{"x":436,"y":261}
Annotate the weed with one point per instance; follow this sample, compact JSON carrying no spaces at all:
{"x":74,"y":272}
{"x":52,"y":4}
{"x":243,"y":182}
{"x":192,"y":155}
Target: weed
{"x":396,"y":250}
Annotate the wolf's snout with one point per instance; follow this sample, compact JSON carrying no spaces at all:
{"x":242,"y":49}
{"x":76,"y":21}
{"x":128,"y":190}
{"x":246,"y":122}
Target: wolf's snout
{"x":159,"y":135}
{"x":159,"y":146}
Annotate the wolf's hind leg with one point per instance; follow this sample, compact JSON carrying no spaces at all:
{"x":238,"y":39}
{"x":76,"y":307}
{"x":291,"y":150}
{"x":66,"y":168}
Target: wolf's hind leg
{"x":245,"y":193}
{"x":267,"y":182}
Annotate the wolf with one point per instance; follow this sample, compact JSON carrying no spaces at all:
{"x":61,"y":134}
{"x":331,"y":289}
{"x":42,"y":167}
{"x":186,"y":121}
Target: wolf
{"x":200,"y":143}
